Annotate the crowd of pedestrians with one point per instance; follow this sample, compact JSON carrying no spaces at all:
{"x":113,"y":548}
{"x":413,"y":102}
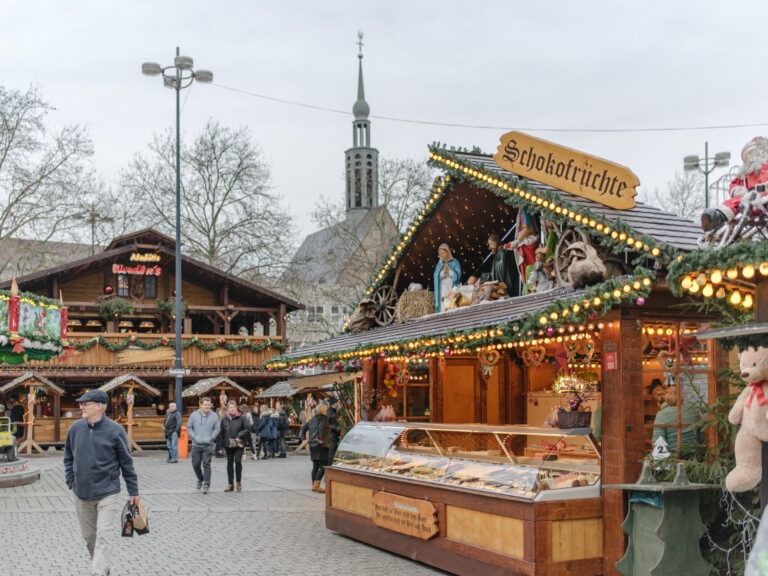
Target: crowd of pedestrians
{"x":232,"y":430}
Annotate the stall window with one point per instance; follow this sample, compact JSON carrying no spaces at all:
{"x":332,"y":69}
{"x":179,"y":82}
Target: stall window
{"x":413,"y":398}
{"x":123,"y":286}
{"x":677,"y":378}
{"x":150,"y":287}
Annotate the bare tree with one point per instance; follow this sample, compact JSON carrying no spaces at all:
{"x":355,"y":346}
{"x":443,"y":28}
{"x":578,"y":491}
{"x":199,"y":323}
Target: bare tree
{"x":684,"y":195}
{"x":42,"y":170}
{"x":230,"y":218}
{"x":404,"y":185}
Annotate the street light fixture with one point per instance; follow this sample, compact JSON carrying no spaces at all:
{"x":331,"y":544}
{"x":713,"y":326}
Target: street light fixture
{"x":179,"y":76}
{"x":706,"y":166}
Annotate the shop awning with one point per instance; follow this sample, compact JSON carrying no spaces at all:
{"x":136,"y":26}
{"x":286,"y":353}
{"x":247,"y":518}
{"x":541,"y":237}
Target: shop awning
{"x":304,"y":384}
{"x":206,"y":385}
{"x":127,"y":380}
{"x":31,"y":379}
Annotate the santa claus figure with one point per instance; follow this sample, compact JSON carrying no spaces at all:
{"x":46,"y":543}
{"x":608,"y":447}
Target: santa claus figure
{"x":752,"y":176}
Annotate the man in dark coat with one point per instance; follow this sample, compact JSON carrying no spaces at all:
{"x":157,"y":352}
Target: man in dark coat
{"x":333,"y":423}
{"x":503,"y":266}
{"x":172,"y":428}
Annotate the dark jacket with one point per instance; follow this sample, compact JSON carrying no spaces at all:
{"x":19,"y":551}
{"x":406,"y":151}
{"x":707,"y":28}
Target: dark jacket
{"x":234,"y":428}
{"x":318,"y":429}
{"x":255,"y":421}
{"x":333,"y":422}
{"x":94,"y":457}
{"x":267,"y":427}
{"x":282,"y":424}
{"x":172,"y":423}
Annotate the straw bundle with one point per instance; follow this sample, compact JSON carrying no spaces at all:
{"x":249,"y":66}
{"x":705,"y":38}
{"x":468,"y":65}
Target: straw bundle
{"x":414,"y":304}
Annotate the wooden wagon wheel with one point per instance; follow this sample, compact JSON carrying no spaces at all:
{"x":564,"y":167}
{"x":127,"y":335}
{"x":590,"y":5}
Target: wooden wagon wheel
{"x":385,"y":299}
{"x":569,"y":237}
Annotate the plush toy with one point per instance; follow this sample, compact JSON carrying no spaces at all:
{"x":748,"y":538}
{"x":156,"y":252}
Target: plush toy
{"x":751,"y":411}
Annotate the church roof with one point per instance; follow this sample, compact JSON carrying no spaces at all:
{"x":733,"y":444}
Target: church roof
{"x":324,"y":255}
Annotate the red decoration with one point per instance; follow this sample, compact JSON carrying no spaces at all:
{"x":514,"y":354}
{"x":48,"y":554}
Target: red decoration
{"x":64,"y":322}
{"x":108,"y":289}
{"x":221,"y":341}
{"x":133,"y":339}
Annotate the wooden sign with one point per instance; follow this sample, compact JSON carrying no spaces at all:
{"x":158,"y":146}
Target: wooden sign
{"x":569,"y":170}
{"x":405,"y":515}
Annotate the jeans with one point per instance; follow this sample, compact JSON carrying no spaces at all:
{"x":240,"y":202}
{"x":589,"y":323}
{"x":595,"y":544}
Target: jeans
{"x":172,"y":442}
{"x":98,"y":526}
{"x":281,"y":444}
{"x":202,"y":455}
{"x":234,"y":464}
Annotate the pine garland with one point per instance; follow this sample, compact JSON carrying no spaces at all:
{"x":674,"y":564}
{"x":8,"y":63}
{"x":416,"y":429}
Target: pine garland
{"x":137,"y":342}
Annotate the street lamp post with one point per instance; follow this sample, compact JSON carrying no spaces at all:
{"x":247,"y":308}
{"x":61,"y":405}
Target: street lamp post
{"x":706,"y":166}
{"x":177,"y":77}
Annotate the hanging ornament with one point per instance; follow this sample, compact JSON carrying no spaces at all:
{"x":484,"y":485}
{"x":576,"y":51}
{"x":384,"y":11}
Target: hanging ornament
{"x":640,"y":301}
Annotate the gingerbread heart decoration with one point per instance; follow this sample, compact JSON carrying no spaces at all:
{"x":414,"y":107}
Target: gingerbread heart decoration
{"x":667,"y":359}
{"x":534,"y":356}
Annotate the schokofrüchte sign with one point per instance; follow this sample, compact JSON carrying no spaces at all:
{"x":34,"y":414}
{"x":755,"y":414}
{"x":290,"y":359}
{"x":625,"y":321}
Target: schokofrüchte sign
{"x":568,"y":170}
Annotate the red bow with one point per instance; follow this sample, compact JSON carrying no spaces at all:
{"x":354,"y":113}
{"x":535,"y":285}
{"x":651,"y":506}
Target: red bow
{"x":757,"y":390}
{"x":18,"y":347}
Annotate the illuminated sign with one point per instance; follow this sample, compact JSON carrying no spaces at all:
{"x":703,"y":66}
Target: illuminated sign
{"x":569,"y":170}
{"x":139,"y":270}
{"x":145,"y":257}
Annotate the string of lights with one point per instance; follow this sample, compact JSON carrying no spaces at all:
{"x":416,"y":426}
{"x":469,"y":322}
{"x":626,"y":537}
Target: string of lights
{"x":507,"y":128}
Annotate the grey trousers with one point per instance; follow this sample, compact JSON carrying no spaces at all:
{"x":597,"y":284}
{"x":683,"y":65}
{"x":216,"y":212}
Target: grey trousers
{"x":201,"y":463}
{"x":98,"y":526}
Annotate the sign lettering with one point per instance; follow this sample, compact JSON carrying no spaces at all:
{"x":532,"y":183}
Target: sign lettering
{"x":405,"y":515}
{"x":139,"y":270}
{"x":145,"y":257}
{"x":569,"y":170}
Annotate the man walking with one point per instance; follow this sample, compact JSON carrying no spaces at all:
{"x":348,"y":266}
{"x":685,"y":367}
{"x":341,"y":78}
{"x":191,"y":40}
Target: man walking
{"x":172,"y":427}
{"x":203,"y":428}
{"x":96,"y":452}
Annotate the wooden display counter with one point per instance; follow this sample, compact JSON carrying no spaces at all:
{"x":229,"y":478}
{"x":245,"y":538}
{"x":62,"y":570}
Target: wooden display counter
{"x":465,"y":532}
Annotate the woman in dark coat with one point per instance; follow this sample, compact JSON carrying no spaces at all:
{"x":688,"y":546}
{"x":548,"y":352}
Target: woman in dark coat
{"x":234,"y":432}
{"x":319,"y":444}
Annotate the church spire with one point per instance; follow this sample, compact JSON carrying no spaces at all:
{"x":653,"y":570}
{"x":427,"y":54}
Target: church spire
{"x":362,"y":160}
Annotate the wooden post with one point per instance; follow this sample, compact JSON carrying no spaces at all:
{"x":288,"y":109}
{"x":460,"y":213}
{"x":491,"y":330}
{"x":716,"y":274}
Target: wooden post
{"x":129,"y":419}
{"x":56,"y":418}
{"x":623,"y":442}
{"x":29,"y":425}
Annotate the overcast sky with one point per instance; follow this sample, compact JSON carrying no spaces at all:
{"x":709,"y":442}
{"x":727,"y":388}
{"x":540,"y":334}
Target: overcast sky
{"x":508,"y":65}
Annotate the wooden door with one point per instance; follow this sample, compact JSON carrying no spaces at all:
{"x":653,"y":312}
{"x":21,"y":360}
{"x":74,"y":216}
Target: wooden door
{"x":459,"y":394}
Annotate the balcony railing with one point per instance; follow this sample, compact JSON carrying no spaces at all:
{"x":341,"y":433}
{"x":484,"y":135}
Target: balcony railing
{"x":116,"y":351}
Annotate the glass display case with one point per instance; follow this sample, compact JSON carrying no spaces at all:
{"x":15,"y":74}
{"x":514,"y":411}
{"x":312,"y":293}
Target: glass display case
{"x":535,"y":463}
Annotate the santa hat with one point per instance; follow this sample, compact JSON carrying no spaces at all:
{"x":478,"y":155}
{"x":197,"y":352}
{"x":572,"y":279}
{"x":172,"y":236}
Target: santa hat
{"x":752,"y":145}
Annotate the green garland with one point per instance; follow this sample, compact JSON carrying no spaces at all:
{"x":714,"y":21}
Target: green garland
{"x":8,"y":356}
{"x":522,"y":330}
{"x":735,"y":255}
{"x":133,"y":340}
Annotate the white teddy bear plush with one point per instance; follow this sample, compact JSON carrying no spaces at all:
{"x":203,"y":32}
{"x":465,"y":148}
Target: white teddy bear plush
{"x":751,"y":411}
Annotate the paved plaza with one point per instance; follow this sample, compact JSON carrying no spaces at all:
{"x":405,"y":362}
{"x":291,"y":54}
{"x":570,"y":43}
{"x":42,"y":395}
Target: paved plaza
{"x":275,"y":527}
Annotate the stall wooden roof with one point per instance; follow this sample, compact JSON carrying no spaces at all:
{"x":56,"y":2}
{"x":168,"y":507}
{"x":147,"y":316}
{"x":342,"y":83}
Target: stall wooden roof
{"x":239,"y":288}
{"x":467,"y":210}
{"x":32,"y":379}
{"x":127,"y":379}
{"x":459,"y":319}
{"x":304,"y":384}
{"x":206,"y":385}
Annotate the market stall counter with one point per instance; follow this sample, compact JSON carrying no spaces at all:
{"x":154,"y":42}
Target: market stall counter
{"x":472,"y":499}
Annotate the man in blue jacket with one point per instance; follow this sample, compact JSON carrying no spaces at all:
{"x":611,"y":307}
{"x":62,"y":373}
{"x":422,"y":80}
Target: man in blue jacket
{"x":96,"y":452}
{"x":203,"y":428}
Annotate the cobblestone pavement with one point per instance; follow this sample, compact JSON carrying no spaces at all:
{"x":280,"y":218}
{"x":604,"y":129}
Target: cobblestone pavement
{"x":275,"y":527}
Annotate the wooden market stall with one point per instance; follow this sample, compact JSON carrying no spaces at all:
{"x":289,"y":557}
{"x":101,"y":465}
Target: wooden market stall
{"x":610,"y":343}
{"x":37,"y":428}
{"x":146,"y":425}
{"x":111,"y":313}
{"x":226,"y":388}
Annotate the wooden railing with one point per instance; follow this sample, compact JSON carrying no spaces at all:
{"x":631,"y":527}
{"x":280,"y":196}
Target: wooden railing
{"x":99,"y":355}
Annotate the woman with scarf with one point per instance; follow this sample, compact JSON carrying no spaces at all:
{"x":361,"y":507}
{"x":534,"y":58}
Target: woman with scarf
{"x":234,"y":433}
{"x":319,"y":444}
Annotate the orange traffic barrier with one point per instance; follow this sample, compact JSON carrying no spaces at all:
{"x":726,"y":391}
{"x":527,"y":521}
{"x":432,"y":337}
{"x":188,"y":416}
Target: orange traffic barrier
{"x":183,"y":443}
